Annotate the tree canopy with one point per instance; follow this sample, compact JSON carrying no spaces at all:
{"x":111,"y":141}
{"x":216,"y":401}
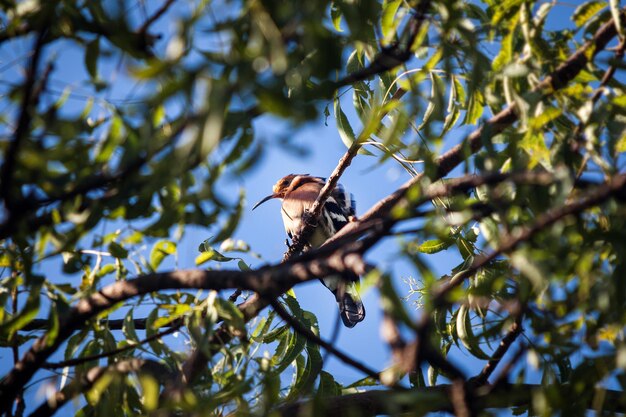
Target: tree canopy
{"x":507,"y":119}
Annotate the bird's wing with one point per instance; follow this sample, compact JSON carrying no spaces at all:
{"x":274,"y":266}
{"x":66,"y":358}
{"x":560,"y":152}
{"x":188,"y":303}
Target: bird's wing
{"x":343,"y":199}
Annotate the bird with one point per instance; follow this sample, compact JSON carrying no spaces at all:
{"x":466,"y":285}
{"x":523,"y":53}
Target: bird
{"x":298,"y":192}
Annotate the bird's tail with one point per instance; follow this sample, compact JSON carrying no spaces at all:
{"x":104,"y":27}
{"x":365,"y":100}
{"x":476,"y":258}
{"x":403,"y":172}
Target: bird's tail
{"x":351,"y":307}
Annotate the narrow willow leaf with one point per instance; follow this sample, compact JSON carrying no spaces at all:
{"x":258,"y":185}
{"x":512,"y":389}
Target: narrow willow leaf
{"x":336,"y":15}
{"x":211,"y":255}
{"x":160,"y":251}
{"x":461,"y":95}
{"x":586,"y":11}
{"x":547,"y":115}
{"x":290,"y":346}
{"x":346,"y":133}
{"x":150,"y":390}
{"x":117,"y":251}
{"x":505,"y":55}
{"x":53,"y":327}
{"x":388,"y":21}
{"x":615,"y":12}
{"x":466,"y":334}
{"x":434,"y":246}
{"x":231,"y":314}
{"x":25,"y":315}
{"x":391,"y":303}
{"x":92,"y":52}
{"x":433,"y":374}
{"x":434,"y":109}
{"x":173,"y":312}
{"x":535,"y":146}
{"x":157,"y":345}
{"x":328,"y":387}
{"x":128,"y":328}
{"x":233,"y":221}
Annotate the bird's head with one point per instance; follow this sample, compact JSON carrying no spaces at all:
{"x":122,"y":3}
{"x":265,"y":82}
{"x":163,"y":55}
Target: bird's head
{"x":282,"y":186}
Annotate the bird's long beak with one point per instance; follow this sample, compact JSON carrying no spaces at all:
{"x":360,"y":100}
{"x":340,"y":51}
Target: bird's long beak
{"x":269,"y":197}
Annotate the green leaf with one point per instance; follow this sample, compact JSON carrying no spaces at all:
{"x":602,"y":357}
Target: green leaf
{"x":160,"y":251}
{"x":390,"y":8}
{"x":465,"y":333}
{"x":343,"y":125}
{"x":434,"y":109}
{"x":474,"y":108}
{"x":92,"y":51}
{"x":128,"y":328}
{"x":616,"y":13}
{"x":391,"y":303}
{"x":233,"y":220}
{"x":25,"y":315}
{"x":173,"y":312}
{"x":328,"y":387}
{"x":117,"y":251}
{"x":150,"y":390}
{"x":157,"y":345}
{"x":230,"y":314}
{"x":74,"y":342}
{"x":293,"y":345}
{"x":53,"y":320}
{"x":336,"y":15}
{"x":435,"y":245}
{"x":505,"y":55}
{"x":211,"y":255}
{"x":586,"y":11}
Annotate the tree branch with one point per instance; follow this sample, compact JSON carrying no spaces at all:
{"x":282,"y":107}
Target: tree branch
{"x":422,"y":401}
{"x":268,"y":281}
{"x":515,"y":330}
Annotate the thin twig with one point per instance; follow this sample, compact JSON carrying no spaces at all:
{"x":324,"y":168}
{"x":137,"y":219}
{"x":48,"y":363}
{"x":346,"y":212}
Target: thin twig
{"x":506,"y":369}
{"x":505,"y":344}
{"x":146,"y":25}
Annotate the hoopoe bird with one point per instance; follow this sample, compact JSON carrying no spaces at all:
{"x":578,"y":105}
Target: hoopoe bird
{"x":298,"y":192}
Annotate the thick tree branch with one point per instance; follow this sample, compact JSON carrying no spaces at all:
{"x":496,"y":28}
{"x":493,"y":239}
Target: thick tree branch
{"x":439,"y":398}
